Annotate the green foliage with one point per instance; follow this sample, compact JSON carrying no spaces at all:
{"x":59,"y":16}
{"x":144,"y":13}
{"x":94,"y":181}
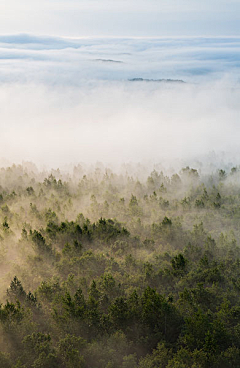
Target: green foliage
{"x":147,"y":275}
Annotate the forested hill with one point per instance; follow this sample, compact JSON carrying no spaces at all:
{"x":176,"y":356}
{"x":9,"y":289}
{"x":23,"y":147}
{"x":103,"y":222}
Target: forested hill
{"x":105,"y":270}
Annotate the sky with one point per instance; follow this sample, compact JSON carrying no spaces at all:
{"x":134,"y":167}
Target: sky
{"x":81,"y":18}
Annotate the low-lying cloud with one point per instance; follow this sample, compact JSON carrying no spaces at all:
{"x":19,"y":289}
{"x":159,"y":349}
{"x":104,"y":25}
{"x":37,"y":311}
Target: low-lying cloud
{"x":72,"y":61}
{"x":116,"y":122}
{"x":61,"y":102}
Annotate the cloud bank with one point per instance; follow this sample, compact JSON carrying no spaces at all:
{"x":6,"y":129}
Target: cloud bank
{"x":71,"y":61}
{"x":70,"y":100}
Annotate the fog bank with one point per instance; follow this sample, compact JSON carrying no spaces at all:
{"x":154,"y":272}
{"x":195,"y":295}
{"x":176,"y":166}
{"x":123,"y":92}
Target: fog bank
{"x":118,"y":122}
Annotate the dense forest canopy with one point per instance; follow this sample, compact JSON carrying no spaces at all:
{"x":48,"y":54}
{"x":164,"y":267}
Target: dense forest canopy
{"x":102,"y":269}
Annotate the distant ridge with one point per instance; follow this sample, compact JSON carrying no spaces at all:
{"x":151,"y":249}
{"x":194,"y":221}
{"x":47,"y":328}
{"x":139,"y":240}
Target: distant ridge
{"x":109,"y":60}
{"x":156,"y":80}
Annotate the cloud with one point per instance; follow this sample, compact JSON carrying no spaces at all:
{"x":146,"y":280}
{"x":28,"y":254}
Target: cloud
{"x":27,"y":41}
{"x":59,"y":102}
{"x":55,"y":60}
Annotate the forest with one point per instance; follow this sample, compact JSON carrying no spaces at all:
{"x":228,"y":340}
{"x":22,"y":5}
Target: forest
{"x":129,"y":269}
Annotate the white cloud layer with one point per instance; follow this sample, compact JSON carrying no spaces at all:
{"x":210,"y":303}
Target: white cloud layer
{"x":70,"y":100}
{"x":70,"y":60}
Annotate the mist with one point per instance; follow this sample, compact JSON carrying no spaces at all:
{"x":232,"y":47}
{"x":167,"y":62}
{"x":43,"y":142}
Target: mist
{"x":119,"y":202}
{"x":70,"y":100}
{"x":116,"y":122}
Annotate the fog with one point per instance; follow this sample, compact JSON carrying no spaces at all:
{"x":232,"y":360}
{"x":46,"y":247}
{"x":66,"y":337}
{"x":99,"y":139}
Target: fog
{"x":117,"y":122}
{"x":119,"y":219}
{"x":76,"y":61}
{"x":70,"y":100}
